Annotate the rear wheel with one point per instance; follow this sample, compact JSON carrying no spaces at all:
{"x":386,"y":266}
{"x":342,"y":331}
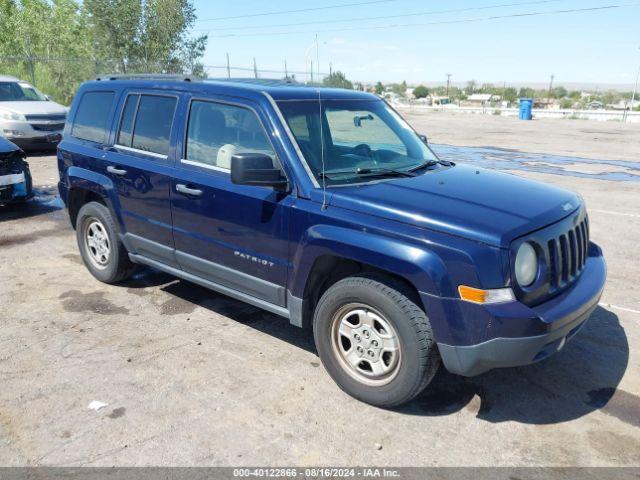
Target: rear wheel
{"x":374,"y":341}
{"x":100,"y":247}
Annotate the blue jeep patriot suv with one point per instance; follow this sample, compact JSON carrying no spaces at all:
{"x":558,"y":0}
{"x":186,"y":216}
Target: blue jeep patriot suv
{"x":325,"y":207}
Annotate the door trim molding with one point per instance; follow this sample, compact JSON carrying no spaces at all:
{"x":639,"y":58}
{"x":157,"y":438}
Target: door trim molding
{"x":256,"y":302}
{"x":232,"y":278}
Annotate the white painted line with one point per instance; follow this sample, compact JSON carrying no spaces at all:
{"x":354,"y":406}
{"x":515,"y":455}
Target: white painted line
{"x":610,"y":212}
{"x":608,"y":305}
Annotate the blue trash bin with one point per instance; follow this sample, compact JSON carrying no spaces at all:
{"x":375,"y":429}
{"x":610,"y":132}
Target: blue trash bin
{"x":526,"y":105}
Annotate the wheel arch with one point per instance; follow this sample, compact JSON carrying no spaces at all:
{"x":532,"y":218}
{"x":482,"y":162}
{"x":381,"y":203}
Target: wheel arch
{"x":328,"y":254}
{"x":87,"y":186}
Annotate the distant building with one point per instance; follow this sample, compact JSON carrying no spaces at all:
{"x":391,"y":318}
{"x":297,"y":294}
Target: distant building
{"x":482,"y":99}
{"x":595,"y":105}
{"x":439,"y":100}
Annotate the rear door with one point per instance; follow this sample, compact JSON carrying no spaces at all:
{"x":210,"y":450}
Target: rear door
{"x":233,"y":235}
{"x":140,"y":164}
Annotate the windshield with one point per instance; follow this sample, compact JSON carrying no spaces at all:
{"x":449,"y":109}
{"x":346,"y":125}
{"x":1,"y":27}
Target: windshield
{"x":19,"y":92}
{"x":361,"y":140}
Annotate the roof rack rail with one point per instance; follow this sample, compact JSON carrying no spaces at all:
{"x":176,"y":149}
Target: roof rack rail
{"x":147,"y":76}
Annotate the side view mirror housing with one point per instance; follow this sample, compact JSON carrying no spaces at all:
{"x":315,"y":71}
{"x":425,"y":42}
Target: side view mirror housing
{"x":256,"y":169}
{"x":423,"y":137}
{"x":357,"y":120}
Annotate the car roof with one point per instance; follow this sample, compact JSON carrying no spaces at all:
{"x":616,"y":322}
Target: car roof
{"x":278,"y":89}
{"x":8,"y":78}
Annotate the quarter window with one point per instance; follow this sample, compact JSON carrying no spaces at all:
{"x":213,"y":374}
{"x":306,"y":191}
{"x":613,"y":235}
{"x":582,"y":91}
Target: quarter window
{"x":217,"y":131}
{"x":92,"y":117}
{"x":146,"y":123}
{"x":126,"y":125}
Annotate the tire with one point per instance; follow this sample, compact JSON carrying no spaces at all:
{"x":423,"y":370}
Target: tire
{"x":96,"y":229}
{"x":382,"y":309}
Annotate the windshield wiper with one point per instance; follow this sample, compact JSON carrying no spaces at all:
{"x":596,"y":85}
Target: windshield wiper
{"x":431,"y":163}
{"x":368,"y":172}
{"x":374,"y":172}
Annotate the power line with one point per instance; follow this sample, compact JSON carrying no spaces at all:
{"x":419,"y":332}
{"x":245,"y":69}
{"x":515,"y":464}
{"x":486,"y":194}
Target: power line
{"x":386,"y":17}
{"x":439,"y":22}
{"x":281,"y":12}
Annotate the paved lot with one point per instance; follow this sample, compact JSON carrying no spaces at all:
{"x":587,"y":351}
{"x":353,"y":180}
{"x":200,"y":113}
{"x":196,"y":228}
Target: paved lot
{"x":194,"y":378}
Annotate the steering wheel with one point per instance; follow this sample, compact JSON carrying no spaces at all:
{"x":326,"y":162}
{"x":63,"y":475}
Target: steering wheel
{"x":362,"y":149}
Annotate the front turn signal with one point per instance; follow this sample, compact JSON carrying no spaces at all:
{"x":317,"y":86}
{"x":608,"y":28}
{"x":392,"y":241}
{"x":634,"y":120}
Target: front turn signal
{"x":477,"y":295}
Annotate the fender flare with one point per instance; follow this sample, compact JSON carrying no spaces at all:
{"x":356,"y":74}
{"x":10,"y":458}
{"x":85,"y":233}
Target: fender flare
{"x":102,"y":185}
{"x":418,"y":265}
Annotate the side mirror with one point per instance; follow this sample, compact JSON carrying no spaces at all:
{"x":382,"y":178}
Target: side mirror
{"x":423,"y":138}
{"x":357,"y":120}
{"x":47,"y":98}
{"x":256,"y":169}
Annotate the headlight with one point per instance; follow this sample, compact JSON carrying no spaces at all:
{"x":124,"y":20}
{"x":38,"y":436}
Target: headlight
{"x":526,"y":265}
{"x":9,"y":115}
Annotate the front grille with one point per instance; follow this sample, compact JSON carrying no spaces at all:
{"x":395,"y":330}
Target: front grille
{"x":47,"y":127}
{"x":46,"y":117}
{"x":11,"y":163}
{"x":568,"y":254}
{"x":563,"y":249}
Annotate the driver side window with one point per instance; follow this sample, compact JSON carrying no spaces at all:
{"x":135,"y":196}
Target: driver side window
{"x":350,"y":128}
{"x":217,"y":131}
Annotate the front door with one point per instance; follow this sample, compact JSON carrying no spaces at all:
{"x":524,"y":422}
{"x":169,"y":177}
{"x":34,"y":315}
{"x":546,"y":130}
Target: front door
{"x":232,"y":235}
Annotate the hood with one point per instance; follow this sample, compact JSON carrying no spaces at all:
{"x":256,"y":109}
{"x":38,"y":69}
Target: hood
{"x":34,"y":108}
{"x":474,"y":203}
{"x":7,"y":147}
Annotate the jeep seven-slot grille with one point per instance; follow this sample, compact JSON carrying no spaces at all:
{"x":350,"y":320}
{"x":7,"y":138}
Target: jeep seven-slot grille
{"x":568,"y":254}
{"x":563,"y":249}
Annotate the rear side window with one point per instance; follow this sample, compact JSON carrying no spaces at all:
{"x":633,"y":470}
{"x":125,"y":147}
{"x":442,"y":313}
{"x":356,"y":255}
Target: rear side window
{"x":92,"y":116}
{"x":146,"y":123}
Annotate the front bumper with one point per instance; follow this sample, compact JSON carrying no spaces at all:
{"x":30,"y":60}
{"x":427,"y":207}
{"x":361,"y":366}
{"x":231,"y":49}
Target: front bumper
{"x":28,"y":137}
{"x":544,"y":328}
{"x":15,"y":187}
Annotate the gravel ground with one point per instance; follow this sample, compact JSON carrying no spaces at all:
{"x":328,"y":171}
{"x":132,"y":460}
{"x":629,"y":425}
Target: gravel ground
{"x":195,"y":378}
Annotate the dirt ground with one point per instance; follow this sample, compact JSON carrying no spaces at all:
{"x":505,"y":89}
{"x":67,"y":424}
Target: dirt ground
{"x":194,"y":378}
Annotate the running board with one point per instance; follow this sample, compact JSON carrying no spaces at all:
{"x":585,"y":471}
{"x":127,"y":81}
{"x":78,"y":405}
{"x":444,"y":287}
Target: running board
{"x":256,"y":302}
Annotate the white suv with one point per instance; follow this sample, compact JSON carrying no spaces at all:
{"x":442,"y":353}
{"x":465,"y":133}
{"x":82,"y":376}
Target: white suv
{"x":28,"y":117}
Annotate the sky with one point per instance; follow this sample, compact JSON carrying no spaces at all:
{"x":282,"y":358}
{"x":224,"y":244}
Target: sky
{"x":403,"y":43}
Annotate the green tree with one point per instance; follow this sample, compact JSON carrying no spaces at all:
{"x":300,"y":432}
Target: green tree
{"x":57,"y":44}
{"x":559,"y":92}
{"x":471,"y":87}
{"x":399,"y":88}
{"x":526,"y":92}
{"x":509,"y":94}
{"x":149,"y":36}
{"x":41,"y":42}
{"x":566,"y":103}
{"x":420,"y":91}
{"x":379,"y":88}
{"x":337,"y":79}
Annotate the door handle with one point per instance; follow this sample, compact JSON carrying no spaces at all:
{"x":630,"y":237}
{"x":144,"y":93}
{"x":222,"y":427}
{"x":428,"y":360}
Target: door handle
{"x":116,"y":171}
{"x":193,"y":192}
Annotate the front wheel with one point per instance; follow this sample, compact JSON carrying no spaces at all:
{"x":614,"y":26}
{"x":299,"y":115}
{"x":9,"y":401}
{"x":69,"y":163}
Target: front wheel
{"x":374,"y":341}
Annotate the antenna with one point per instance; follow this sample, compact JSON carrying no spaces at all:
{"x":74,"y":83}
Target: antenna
{"x":324,"y":180}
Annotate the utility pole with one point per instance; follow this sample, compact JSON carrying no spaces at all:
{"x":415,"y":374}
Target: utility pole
{"x":635,"y":89}
{"x":448,"y":83}
{"x":550,"y":88}
{"x":286,"y":73}
{"x":228,"y":67}
{"x":255,"y":68}
{"x":311,"y":72}
{"x":330,"y":68}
